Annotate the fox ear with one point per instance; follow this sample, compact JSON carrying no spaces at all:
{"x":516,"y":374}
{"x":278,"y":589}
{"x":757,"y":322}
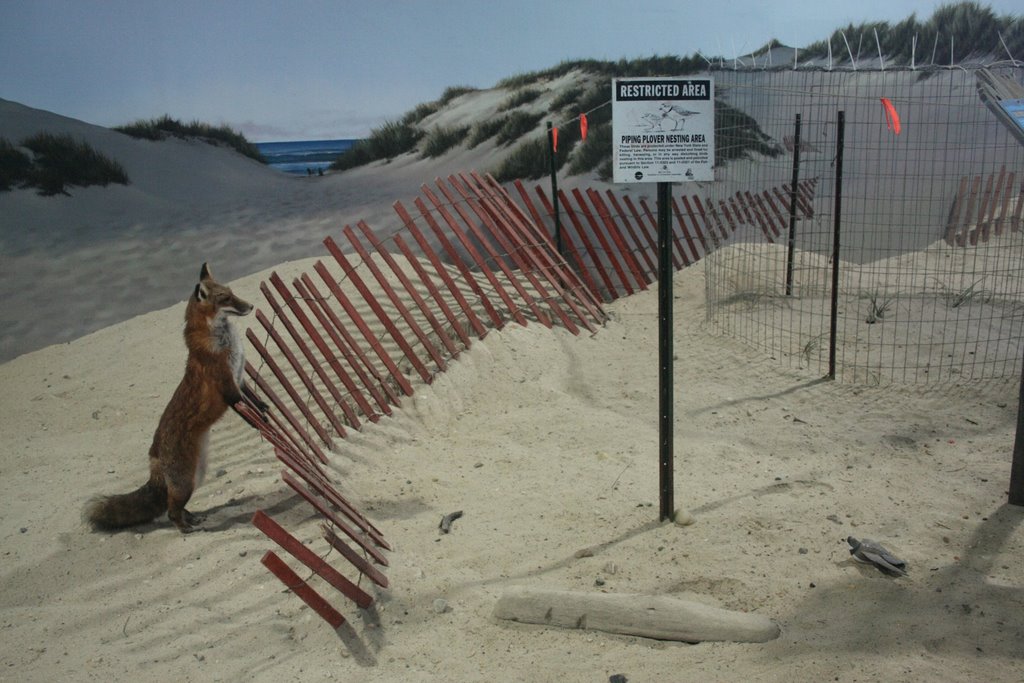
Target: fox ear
{"x":204,"y":273}
{"x":201,"y":293}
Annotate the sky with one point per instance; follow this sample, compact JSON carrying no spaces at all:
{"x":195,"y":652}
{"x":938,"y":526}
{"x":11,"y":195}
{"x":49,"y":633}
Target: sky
{"x":305,"y":69}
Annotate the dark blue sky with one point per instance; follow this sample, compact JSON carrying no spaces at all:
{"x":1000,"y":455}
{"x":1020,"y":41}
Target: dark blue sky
{"x":305,"y":69}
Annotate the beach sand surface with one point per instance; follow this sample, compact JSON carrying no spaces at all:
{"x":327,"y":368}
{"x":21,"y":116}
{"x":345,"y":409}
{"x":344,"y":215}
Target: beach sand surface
{"x":547,"y":442}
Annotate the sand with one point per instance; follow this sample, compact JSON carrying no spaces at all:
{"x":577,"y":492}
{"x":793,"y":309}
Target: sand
{"x":548,"y":444}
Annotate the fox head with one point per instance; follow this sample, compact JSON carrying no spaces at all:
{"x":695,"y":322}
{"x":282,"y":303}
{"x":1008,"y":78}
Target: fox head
{"x":216,"y":299}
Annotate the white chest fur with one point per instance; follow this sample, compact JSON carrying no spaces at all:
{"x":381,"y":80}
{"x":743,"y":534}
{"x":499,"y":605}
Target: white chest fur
{"x":226,"y":336}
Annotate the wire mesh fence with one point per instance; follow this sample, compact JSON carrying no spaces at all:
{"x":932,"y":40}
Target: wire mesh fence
{"x":930,"y":284}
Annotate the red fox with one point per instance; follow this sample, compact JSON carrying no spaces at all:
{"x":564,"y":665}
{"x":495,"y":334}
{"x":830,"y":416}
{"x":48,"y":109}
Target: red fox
{"x":213,"y":381}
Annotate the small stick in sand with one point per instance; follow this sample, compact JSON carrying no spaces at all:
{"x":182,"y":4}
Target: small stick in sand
{"x":446,"y":521}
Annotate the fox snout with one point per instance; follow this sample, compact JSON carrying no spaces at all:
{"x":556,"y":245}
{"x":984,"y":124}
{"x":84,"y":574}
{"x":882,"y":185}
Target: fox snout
{"x":238,"y":307}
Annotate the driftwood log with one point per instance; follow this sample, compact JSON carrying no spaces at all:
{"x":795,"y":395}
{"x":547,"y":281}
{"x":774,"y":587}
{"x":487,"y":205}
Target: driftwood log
{"x":650,"y":616}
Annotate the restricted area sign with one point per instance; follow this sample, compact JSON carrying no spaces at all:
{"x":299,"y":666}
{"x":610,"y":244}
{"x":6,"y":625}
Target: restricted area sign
{"x":663,"y":129}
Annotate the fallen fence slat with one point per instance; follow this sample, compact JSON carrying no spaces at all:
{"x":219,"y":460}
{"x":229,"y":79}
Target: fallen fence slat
{"x":357,"y":561}
{"x":277,"y":533}
{"x":296,"y":486}
{"x":296,"y":585}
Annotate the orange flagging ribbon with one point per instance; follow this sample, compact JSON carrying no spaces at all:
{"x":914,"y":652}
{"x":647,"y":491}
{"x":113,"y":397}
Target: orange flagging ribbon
{"x":554,"y":139}
{"x":583,"y":126}
{"x":892,"y":119}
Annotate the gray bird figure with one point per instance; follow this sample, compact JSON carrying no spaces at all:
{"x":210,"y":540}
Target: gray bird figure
{"x":873,"y":552}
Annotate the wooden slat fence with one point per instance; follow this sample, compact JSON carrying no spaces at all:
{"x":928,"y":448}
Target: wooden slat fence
{"x":341,"y":345}
{"x":985,"y":207}
{"x":611,"y":241}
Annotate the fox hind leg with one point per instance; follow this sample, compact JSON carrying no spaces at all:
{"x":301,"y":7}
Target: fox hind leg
{"x":177,"y":498}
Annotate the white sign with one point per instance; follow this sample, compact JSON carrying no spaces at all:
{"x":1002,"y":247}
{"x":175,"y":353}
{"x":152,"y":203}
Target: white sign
{"x":663,"y":129}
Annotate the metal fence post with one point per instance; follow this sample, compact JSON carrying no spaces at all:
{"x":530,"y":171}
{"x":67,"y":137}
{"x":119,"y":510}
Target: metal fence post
{"x":791,"y":246}
{"x":665,"y":380}
{"x":838,"y":206}
{"x":554,"y":190}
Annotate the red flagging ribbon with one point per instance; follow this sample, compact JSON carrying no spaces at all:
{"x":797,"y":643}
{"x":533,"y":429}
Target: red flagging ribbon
{"x":583,"y":126}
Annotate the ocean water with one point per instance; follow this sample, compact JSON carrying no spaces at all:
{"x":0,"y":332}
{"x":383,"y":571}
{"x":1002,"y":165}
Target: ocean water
{"x":302,"y":156}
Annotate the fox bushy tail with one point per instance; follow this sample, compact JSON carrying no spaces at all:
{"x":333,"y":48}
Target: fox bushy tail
{"x":142,"y":505}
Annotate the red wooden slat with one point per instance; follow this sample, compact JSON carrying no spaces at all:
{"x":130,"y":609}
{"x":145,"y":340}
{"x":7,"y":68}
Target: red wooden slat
{"x":382,"y":316}
{"x":349,"y":513}
{"x":274,"y":431}
{"x":500,"y":227}
{"x":350,"y":350}
{"x":534,"y":213}
{"x":610,"y":255}
{"x":555,"y":267}
{"x":802,"y":204}
{"x":953,"y":220}
{"x":740,"y":208}
{"x":682,"y":260}
{"x":1015,"y":224}
{"x":703,"y":223}
{"x":277,"y":533}
{"x":1007,"y":189}
{"x":807,"y":192}
{"x":570,"y":247}
{"x":729,"y":220}
{"x":650,"y":269}
{"x":779,"y":216}
{"x":620,"y":241}
{"x":592,"y":254}
{"x":320,"y":484}
{"x":296,"y":585}
{"x":475,"y":255}
{"x":981,"y":222}
{"x":357,"y":560}
{"x":577,"y":279}
{"x":459,"y":262}
{"x":649,"y":234}
{"x":968,"y":213}
{"x":282,"y":379}
{"x":283,"y":409}
{"x":428,"y":314}
{"x":711,"y":212}
{"x":300,"y":341}
{"x":314,"y":335}
{"x":307,"y":381}
{"x":544,"y":258}
{"x":441,"y":271}
{"x":762,"y":216}
{"x":354,"y":315}
{"x":696,"y":226}
{"x":416,"y":262}
{"x":499,"y":259}
{"x":695,"y":253}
